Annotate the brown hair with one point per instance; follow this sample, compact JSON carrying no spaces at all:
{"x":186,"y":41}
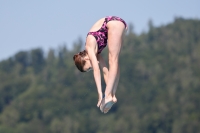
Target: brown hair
{"x":79,"y":61}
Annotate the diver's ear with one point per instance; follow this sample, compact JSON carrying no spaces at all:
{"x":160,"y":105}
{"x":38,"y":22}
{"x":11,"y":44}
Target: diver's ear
{"x":86,"y":58}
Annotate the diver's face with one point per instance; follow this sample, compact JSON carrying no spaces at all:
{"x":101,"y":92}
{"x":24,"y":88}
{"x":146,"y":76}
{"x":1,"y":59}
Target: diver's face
{"x":88,"y":65}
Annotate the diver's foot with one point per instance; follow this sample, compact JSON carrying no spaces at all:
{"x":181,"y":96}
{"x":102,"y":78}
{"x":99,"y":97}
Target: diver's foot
{"x":108,"y":104}
{"x":105,"y":101}
{"x":114,"y":99}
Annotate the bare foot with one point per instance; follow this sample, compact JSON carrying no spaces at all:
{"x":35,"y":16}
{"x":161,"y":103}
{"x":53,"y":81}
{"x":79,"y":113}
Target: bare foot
{"x":108,"y":103}
{"x":114,"y":99}
{"x":108,"y":99}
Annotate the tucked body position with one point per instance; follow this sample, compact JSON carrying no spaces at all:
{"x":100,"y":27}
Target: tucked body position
{"x":106,"y":31}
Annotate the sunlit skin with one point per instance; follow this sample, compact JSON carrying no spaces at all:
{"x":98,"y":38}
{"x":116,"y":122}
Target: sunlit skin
{"x":88,"y":67}
{"x":94,"y":60}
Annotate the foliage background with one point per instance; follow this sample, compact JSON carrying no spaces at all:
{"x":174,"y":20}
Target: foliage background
{"x":159,"y":89}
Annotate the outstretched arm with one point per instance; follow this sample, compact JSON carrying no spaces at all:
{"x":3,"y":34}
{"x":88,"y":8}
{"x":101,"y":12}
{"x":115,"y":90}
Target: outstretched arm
{"x":96,"y":71}
{"x":103,"y":66}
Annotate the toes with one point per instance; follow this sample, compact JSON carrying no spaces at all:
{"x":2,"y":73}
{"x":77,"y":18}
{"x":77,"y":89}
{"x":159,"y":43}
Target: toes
{"x":106,"y":110}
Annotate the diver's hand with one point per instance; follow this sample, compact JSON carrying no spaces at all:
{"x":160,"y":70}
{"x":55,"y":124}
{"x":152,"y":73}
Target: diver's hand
{"x":100,"y":99}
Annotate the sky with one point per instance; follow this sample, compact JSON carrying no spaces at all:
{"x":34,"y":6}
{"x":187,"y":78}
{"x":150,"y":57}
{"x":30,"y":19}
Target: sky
{"x":30,"y":24}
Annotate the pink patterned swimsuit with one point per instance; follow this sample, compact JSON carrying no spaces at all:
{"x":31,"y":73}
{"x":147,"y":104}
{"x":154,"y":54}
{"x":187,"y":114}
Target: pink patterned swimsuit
{"x":101,"y":35}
